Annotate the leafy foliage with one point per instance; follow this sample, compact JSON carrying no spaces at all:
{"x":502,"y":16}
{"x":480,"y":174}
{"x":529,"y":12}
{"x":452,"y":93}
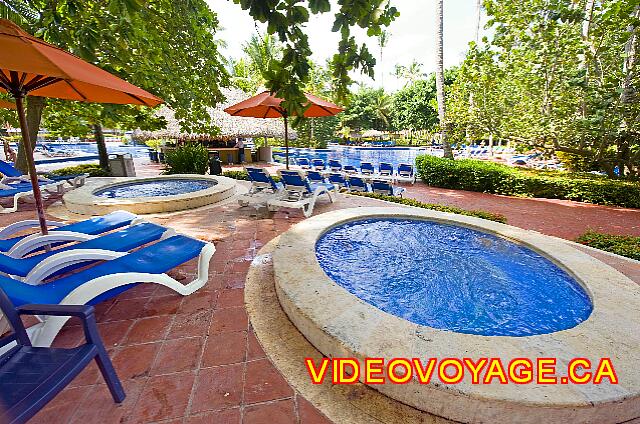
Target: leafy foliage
{"x":91,"y":169}
{"x":190,"y":158}
{"x":620,"y":245}
{"x":368,"y":108}
{"x":287,"y":19}
{"x":559,"y":76}
{"x":489,"y":177}
{"x":260,"y":50}
{"x":434,"y":206}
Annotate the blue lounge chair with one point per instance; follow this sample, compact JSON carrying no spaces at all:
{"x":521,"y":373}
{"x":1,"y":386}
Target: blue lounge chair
{"x":338,"y":179}
{"x":385,"y":169}
{"x":318,"y":164}
{"x":30,"y":377}
{"x":334,"y":165}
{"x":316,"y":177}
{"x":119,"y":272}
{"x":385,"y":187}
{"x":366,"y":168}
{"x":19,"y":264}
{"x":350,"y":169}
{"x":262,"y":187}
{"x":21,"y":190}
{"x":358,"y":184}
{"x":92,"y":226}
{"x":299,"y":193}
{"x":13,"y":175}
{"x":303,"y":163}
{"x":406,"y":173}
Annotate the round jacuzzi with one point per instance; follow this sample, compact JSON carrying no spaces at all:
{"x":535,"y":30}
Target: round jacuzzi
{"x":145,"y":195}
{"x":412,"y":283}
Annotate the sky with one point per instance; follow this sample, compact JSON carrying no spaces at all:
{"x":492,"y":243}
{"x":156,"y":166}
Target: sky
{"x":412,"y":36}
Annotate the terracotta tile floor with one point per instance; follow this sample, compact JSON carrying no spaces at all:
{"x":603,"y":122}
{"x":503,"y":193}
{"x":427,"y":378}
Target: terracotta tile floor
{"x":195,"y":359}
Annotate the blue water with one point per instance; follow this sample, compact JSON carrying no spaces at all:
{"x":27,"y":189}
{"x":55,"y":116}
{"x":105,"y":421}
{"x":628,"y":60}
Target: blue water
{"x":452,"y":278}
{"x":354,"y":155}
{"x":86,"y":149}
{"x":164,"y":187}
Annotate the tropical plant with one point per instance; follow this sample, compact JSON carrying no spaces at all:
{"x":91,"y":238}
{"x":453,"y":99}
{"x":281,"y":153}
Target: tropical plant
{"x":163,"y":46}
{"x":287,"y":19}
{"x":440,"y":95}
{"x":409,"y":74}
{"x":367,"y":109}
{"x":190,"y":158}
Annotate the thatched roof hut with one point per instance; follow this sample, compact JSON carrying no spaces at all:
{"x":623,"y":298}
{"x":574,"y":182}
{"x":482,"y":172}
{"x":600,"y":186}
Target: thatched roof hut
{"x":230,"y":126}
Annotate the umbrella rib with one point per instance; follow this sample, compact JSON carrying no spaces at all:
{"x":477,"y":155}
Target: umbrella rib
{"x":41,"y":83}
{"x":76,"y":90}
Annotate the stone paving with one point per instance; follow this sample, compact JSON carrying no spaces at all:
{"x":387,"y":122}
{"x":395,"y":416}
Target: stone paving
{"x":195,"y":359}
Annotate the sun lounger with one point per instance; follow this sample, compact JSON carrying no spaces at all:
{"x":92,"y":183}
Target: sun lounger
{"x":338,"y":179}
{"x":92,"y":226}
{"x":299,"y":193}
{"x":385,"y":169}
{"x":385,"y":187}
{"x":334,"y":165}
{"x":366,"y":168}
{"x":13,"y":175}
{"x":358,"y":184}
{"x":318,"y":164}
{"x":316,"y":177}
{"x":350,"y":169}
{"x":406,"y":173}
{"x":120,"y":272}
{"x":21,"y":266}
{"x":30,"y":377}
{"x":262,"y":187}
{"x":25,"y":190}
{"x":303,"y":163}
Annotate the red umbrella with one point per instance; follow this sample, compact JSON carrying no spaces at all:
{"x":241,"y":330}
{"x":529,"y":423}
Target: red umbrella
{"x":266,"y":105}
{"x":29,"y":66}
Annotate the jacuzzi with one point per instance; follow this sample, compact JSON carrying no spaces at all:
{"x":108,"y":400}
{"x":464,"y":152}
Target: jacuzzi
{"x":145,"y":195}
{"x":413,"y":283}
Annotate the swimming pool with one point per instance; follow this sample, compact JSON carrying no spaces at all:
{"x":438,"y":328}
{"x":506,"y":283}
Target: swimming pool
{"x":154,"y":188}
{"x":355,"y":155}
{"x":452,"y":277}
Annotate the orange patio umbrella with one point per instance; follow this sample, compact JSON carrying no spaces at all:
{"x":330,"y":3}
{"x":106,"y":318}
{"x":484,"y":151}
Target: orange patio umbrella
{"x":266,"y":105}
{"x":29,"y":66}
{"x":7,"y":105}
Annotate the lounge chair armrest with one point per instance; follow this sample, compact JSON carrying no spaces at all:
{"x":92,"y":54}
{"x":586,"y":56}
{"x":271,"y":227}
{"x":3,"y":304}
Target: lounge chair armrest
{"x":80,"y":311}
{"x":66,"y":258}
{"x":19,"y":226}
{"x":37,"y":241}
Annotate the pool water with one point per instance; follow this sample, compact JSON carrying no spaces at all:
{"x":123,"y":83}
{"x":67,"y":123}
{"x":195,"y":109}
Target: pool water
{"x":355,"y":155}
{"x":154,"y":188}
{"x":452,"y":278}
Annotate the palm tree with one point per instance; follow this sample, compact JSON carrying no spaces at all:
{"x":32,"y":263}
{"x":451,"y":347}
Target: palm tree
{"x":383,"y":40}
{"x":382,"y":109}
{"x":261,"y":50}
{"x":442,"y":116}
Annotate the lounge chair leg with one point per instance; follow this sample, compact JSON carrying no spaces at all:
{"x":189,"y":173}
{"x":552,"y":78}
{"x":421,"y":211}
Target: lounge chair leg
{"x":109,"y":375}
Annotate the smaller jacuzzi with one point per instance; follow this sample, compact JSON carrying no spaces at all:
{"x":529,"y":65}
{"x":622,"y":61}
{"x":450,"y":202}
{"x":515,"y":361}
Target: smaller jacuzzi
{"x":145,"y":195}
{"x":394,"y":282}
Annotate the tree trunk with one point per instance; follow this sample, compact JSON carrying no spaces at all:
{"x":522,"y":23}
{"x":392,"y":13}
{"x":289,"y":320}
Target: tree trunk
{"x":101,"y":145}
{"x":478,"y":19}
{"x":440,"y":79}
{"x":35,"y":106}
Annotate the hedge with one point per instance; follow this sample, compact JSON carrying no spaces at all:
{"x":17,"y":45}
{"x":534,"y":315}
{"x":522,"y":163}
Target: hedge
{"x":436,"y":207}
{"x":628,"y":246}
{"x":490,"y":177}
{"x":91,"y":169}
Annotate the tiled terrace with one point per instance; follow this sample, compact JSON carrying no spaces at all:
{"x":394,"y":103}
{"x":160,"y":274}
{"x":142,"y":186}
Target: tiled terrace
{"x":196,"y":360}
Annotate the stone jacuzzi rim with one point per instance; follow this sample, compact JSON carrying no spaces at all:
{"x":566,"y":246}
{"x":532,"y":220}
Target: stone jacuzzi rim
{"x":338,"y":323}
{"x":84,"y":201}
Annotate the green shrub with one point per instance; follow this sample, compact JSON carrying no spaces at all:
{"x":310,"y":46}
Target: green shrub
{"x":489,"y":177}
{"x":436,"y":207}
{"x":621,"y":245}
{"x":91,"y":169}
{"x":191,"y":158}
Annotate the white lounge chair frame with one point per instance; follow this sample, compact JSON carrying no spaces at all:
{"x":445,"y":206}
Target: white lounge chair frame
{"x":295,"y":197}
{"x":43,"y":333}
{"x":55,"y":187}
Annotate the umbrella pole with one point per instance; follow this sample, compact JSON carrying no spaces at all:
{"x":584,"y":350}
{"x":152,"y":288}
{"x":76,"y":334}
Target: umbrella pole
{"x":31,"y":164}
{"x":286,"y":140}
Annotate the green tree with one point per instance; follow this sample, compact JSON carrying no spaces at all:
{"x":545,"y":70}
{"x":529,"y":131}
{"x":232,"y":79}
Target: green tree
{"x":413,"y":106}
{"x":287,"y":19}
{"x":409,"y":74}
{"x":259,"y":51}
{"x":165,"y":47}
{"x":368,"y":109}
